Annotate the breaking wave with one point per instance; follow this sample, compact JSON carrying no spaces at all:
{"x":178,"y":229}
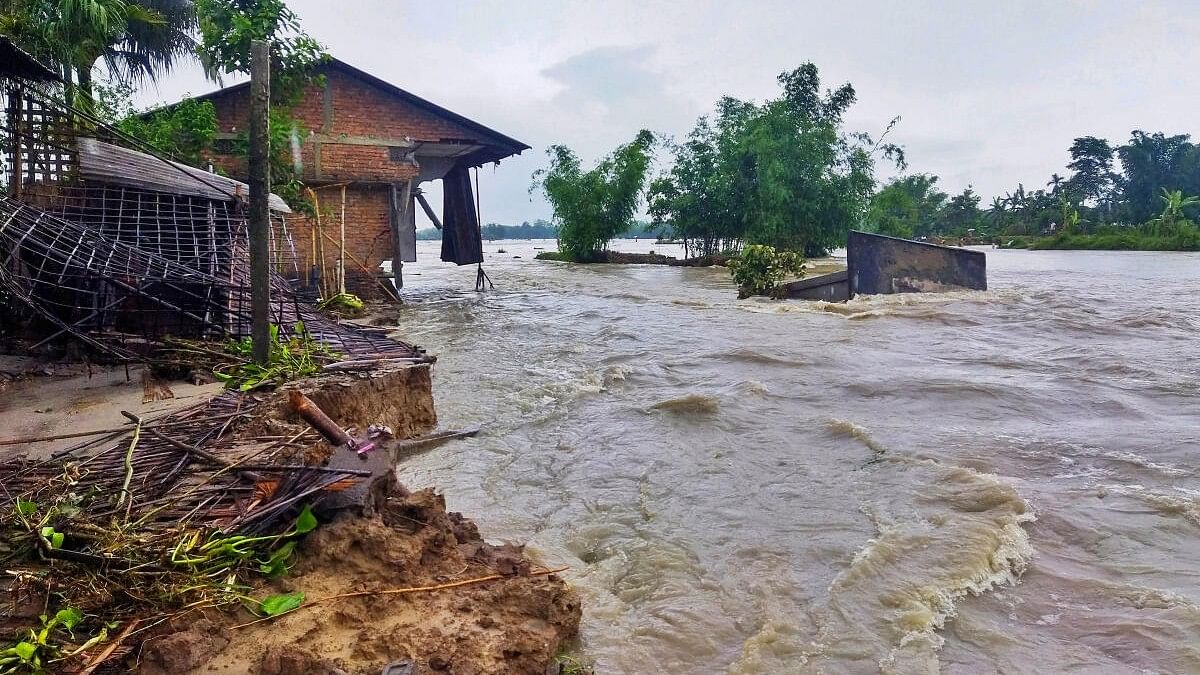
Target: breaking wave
{"x":692,"y":404}
{"x":886,"y":609}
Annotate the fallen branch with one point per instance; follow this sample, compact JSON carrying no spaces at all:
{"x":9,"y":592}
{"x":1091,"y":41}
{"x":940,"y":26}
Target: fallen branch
{"x":403,"y":591}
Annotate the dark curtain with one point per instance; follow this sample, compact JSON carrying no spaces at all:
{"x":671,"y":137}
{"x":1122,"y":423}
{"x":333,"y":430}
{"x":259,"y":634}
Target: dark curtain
{"x":461,"y":240}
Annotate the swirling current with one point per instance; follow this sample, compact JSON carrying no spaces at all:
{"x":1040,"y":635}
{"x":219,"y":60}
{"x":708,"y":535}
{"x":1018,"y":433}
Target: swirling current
{"x":974,"y":482}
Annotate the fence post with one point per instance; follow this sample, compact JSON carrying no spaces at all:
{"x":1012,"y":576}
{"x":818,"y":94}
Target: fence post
{"x":259,"y":221}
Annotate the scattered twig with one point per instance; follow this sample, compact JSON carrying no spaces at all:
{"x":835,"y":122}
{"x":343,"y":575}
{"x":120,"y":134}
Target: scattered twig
{"x":112,"y":647}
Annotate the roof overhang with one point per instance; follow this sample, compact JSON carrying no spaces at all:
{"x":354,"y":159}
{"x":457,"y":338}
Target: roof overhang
{"x":17,"y":63}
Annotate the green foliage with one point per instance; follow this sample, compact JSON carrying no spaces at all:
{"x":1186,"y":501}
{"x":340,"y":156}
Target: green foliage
{"x":343,"y":303}
{"x":227,"y":27}
{"x":281,"y":604}
{"x":185,"y":131}
{"x":758,"y":269}
{"x":137,"y":40}
{"x":593,"y":207}
{"x":906,"y":207}
{"x":292,"y":357}
{"x":221,"y":555}
{"x":43,"y":645}
{"x":782,"y":173}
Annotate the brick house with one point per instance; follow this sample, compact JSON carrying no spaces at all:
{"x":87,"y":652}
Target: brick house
{"x":364,"y":148}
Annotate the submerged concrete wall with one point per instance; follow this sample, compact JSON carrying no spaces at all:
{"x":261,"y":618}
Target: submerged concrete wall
{"x":833,"y":287}
{"x":882,"y":265}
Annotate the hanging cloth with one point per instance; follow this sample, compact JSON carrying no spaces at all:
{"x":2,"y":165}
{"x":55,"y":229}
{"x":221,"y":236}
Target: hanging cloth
{"x":462,"y":243}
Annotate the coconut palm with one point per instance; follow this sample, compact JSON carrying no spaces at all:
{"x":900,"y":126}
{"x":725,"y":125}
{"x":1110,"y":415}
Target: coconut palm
{"x":1055,"y":183}
{"x":137,"y":40}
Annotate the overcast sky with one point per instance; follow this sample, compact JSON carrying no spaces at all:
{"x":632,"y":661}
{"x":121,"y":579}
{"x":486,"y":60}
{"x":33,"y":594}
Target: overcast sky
{"x":990,"y":92}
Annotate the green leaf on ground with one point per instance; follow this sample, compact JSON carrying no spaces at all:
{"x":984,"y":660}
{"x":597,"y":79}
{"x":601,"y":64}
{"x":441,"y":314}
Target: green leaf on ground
{"x":306,"y":522}
{"x":281,"y":604}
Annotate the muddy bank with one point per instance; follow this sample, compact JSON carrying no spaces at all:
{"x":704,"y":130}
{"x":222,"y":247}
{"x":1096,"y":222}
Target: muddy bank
{"x":494,"y":610}
{"x":516,"y":623}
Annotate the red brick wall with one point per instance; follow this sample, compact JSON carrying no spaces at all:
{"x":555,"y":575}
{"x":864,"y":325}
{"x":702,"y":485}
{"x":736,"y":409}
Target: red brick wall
{"x":368,"y":235}
{"x":363,"y":111}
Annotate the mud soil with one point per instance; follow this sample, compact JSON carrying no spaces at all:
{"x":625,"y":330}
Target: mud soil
{"x":512,"y":625}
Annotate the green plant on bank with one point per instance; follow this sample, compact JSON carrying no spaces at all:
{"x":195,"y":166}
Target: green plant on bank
{"x":39,"y":650}
{"x":343,"y":303}
{"x":758,"y":269}
{"x":292,"y":357}
{"x":202,"y":569}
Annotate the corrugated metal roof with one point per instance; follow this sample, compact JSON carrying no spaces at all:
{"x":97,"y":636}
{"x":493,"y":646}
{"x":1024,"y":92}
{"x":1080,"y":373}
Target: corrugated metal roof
{"x":108,"y":163}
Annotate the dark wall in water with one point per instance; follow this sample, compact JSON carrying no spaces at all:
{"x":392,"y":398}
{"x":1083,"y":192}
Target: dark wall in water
{"x":879,"y":264}
{"x":828,"y":287}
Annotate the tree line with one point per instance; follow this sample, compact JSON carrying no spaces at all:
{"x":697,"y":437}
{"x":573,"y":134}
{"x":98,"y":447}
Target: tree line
{"x":785,"y":173}
{"x":1106,"y":188}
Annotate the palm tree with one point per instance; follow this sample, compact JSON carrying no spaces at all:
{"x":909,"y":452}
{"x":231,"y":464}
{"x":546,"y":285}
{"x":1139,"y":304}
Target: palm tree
{"x":996,"y":213}
{"x":138,"y":40}
{"x":1055,"y":183}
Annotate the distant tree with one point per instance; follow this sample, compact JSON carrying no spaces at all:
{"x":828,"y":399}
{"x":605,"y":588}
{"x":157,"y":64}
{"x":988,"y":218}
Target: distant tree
{"x":907,"y":207}
{"x":961,"y":213}
{"x":1151,"y":163}
{"x":997,"y":214}
{"x":1055,"y":183}
{"x":592,"y":207}
{"x":1092,"y":167}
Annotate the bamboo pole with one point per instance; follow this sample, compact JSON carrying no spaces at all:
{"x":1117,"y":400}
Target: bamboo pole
{"x":342,"y":247}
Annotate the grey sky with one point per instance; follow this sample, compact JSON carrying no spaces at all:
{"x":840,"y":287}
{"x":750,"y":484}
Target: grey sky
{"x":990,"y":92}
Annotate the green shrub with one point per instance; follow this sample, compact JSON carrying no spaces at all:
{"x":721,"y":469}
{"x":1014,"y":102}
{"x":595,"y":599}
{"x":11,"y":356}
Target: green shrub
{"x":758,"y":269}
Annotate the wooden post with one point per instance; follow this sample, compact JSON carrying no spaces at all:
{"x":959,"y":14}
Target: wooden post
{"x":259,"y":221}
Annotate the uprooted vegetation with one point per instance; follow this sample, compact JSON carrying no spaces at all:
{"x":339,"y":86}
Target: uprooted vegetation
{"x":292,"y":357}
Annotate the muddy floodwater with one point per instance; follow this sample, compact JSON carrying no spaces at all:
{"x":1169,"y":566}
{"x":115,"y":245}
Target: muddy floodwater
{"x":1002,"y":481}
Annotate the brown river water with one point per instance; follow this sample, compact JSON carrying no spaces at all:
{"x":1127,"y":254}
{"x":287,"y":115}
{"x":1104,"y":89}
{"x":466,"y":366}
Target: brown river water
{"x":1001,"y":481}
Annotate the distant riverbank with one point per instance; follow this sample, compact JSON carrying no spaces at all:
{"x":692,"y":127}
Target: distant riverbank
{"x":1114,"y":240}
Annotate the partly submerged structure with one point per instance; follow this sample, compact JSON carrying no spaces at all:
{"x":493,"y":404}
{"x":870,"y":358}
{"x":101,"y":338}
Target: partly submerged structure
{"x":880,"y":265}
{"x":365,"y":146}
{"x":106,"y":241}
